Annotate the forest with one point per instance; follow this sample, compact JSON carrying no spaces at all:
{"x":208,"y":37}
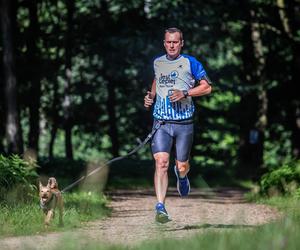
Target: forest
{"x":74,"y":75}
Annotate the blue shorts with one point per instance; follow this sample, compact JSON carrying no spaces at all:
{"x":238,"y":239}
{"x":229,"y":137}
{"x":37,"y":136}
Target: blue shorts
{"x":180,"y":134}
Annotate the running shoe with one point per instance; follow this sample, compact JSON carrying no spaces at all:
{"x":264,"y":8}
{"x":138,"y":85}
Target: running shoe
{"x":183,"y":183}
{"x":161,"y":213}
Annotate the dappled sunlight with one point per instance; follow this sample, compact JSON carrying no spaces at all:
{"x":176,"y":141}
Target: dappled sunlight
{"x":96,"y":177}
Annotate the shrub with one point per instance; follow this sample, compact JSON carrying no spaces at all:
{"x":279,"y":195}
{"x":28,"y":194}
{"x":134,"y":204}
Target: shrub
{"x":17,"y":178}
{"x":283,"y":180}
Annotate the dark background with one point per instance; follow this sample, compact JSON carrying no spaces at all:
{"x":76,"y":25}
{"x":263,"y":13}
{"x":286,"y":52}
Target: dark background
{"x":74,"y":74}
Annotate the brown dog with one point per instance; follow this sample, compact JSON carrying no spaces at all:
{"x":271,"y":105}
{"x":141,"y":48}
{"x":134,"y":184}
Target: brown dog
{"x":50,"y":198}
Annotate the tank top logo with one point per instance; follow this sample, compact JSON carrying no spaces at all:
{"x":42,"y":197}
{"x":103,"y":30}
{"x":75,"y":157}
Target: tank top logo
{"x":174,"y":74}
{"x":166,"y":81}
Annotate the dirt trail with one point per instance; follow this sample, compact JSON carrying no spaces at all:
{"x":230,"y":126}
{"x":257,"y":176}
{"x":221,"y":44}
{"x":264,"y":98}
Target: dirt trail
{"x":132,"y":219}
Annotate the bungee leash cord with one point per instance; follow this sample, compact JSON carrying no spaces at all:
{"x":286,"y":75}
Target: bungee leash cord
{"x":141,"y":144}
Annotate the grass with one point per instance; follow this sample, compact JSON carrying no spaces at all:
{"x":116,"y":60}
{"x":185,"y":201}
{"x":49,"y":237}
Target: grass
{"x":282,"y":235}
{"x":27,"y":218}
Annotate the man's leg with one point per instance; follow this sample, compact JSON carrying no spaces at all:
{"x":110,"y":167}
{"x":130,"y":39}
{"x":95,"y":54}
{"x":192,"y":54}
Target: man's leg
{"x":183,"y":168}
{"x":183,"y":184}
{"x":161,"y":175}
{"x":161,"y":146}
{"x":184,"y":139}
{"x":161,"y":185}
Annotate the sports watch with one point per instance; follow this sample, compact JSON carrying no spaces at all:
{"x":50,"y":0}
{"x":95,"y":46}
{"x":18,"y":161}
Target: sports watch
{"x":185,"y":93}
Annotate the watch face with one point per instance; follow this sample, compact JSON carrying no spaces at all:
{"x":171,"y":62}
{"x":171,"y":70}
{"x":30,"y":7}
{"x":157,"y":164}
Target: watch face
{"x":170,"y":92}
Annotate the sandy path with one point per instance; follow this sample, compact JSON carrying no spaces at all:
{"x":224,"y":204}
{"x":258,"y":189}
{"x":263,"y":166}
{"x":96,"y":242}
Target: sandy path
{"x":132,"y":219}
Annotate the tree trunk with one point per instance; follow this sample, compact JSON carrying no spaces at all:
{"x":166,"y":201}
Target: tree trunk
{"x":288,"y":12}
{"x":13,"y":128}
{"x":2,"y":116}
{"x":295,"y":104}
{"x":52,"y":140}
{"x":254,"y":104}
{"x":113,"y":131}
{"x":55,"y":119}
{"x":68,"y":74}
{"x":258,"y":74}
{"x":34,"y":104}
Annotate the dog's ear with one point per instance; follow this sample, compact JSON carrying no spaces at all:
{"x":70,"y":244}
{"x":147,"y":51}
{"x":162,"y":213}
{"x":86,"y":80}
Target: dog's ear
{"x":52,"y":182}
{"x":40,"y":185}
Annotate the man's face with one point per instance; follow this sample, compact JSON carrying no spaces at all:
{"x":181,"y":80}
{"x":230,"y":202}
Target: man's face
{"x":173,"y":44}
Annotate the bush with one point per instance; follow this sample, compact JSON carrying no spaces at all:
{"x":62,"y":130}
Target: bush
{"x":283,"y":180}
{"x":17,"y":178}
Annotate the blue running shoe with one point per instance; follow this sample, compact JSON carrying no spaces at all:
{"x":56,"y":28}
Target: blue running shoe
{"x":161,"y":213}
{"x":183,"y":183}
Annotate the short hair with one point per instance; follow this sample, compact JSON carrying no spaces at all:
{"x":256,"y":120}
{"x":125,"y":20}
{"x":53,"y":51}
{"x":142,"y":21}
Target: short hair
{"x":174,"y":30}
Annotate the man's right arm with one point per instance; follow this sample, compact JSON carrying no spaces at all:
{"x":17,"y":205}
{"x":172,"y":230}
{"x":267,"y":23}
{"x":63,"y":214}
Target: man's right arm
{"x":149,"y":98}
{"x":153,"y":89}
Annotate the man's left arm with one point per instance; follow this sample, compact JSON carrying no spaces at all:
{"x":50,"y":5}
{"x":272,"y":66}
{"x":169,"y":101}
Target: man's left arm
{"x":204,"y":88}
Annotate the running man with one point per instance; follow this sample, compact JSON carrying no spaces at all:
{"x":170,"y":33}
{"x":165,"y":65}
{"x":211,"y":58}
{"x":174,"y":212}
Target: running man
{"x":178,"y":78}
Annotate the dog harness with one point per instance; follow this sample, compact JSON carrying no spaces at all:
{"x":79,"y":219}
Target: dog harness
{"x":44,"y":205}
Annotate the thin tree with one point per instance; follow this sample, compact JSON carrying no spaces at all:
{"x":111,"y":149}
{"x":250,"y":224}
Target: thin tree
{"x":34,"y":104}
{"x":67,"y":87}
{"x":287,"y":12}
{"x":13,"y":128}
{"x":254,"y":102}
{"x":113,"y":131}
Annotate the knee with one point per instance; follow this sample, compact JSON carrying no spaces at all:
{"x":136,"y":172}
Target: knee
{"x":161,"y":164}
{"x":183,"y":167}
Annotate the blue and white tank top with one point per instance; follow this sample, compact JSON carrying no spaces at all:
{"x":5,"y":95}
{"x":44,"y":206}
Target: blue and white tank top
{"x":181,"y":73}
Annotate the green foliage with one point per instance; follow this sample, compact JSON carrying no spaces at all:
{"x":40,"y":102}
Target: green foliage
{"x":283,"y":180}
{"x":277,"y":146}
{"x":111,"y":51}
{"x":17,"y":178}
{"x":296,"y":194}
{"x":216,"y":134}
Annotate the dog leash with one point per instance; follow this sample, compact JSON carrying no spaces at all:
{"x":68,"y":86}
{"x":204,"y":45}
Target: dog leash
{"x":142,"y":144}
